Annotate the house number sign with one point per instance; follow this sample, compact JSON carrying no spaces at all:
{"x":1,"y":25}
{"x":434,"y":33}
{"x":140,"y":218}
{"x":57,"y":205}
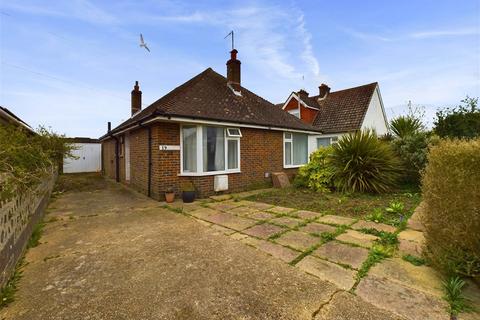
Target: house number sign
{"x":164,"y":147}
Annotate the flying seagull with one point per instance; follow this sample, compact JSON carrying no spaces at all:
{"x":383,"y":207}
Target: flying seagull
{"x":143,"y":44}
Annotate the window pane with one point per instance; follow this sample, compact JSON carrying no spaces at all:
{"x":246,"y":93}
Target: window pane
{"x":300,"y":148}
{"x":288,"y":135}
{"x":232,"y":154}
{"x":323,"y":142}
{"x":189,"y":145}
{"x":213,"y":149}
{"x":234,"y":132}
{"x":288,"y":153}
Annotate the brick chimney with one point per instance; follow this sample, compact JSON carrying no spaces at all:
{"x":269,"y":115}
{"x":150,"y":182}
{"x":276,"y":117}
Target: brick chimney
{"x":233,"y":70}
{"x":324,"y":90}
{"x":136,"y":99}
{"x":303,"y":94}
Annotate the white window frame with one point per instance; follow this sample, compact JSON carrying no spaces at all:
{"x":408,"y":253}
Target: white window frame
{"x":295,"y":112}
{"x":230,"y":135}
{"x":200,"y":171}
{"x":285,"y":139}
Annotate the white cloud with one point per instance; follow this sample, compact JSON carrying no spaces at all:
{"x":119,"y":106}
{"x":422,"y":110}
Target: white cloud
{"x":445,"y":33}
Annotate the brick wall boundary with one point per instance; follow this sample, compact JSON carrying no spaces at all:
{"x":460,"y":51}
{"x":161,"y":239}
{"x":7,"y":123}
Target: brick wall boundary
{"x":14,"y":247}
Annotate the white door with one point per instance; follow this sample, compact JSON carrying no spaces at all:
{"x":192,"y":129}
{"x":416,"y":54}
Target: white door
{"x":88,"y":158}
{"x":127,"y":157}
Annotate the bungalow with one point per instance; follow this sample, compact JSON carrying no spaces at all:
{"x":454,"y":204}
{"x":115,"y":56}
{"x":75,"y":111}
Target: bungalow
{"x":218,"y":135}
{"x":339,"y":112}
{"x":210,"y":131}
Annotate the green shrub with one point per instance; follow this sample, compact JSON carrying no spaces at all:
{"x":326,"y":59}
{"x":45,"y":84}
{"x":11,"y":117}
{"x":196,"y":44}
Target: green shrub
{"x":404,"y":126}
{"x":451,"y":195}
{"x":25,"y":158}
{"x":460,"y":122}
{"x":318,"y":173}
{"x":412,"y":150}
{"x":363,"y":163}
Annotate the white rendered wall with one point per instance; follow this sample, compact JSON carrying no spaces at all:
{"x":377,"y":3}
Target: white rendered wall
{"x":375,"y":117}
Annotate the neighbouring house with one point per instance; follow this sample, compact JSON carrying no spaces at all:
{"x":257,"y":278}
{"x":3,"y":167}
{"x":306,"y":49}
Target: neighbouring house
{"x":7,"y":117}
{"x":339,"y":112}
{"x":87,"y":156}
{"x":210,"y":131}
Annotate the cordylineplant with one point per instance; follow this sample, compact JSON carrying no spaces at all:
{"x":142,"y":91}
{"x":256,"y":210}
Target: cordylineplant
{"x":363,"y":163}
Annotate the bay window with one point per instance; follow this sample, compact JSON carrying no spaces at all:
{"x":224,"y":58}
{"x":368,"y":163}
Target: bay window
{"x":210,"y":150}
{"x":295,"y":148}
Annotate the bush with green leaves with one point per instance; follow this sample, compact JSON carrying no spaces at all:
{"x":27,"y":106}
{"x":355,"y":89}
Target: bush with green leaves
{"x":364,"y":163}
{"x":318,"y":173}
{"x":403,"y":126}
{"x":460,"y":122}
{"x":451,"y":207}
{"x":26,"y":158}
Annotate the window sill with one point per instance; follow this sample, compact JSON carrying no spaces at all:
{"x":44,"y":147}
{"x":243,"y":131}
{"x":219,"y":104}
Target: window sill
{"x":204,"y":174}
{"x":293,"y":166}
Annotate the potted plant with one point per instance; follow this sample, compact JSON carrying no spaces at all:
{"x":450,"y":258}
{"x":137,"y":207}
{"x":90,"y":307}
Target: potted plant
{"x":188,"y":192}
{"x":169,"y":195}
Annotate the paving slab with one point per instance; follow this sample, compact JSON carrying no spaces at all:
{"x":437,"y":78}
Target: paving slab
{"x":358,"y":238}
{"x":238,"y":236}
{"x":281,"y":210}
{"x":347,"y":306}
{"x":342,"y":253}
{"x":305,"y":214}
{"x":362,"y":224}
{"x":287,"y":221}
{"x":328,"y":271}
{"x":417,"y":277}
{"x":317,"y":228}
{"x":203,"y":213}
{"x":329,"y":218}
{"x":411,"y":242}
{"x":243,"y":211}
{"x":224,"y":205}
{"x":222,"y":230}
{"x":404,"y":301}
{"x":297,"y":240}
{"x":221,"y":197}
{"x":415,"y":221}
{"x":264,"y":230}
{"x":189,"y":207}
{"x":261,"y":215}
{"x":261,"y":205}
{"x":230,"y":221}
{"x":280,"y":252}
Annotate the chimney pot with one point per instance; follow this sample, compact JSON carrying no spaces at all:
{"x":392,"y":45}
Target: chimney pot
{"x":136,"y":104}
{"x":323,"y":90}
{"x":303,"y":94}
{"x":233,"y":69}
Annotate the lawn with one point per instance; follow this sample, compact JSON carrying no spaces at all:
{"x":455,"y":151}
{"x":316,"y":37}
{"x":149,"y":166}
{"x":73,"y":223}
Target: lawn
{"x":351,"y":205}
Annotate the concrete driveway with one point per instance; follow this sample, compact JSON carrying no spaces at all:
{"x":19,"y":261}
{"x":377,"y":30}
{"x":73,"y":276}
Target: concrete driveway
{"x":111,"y":253}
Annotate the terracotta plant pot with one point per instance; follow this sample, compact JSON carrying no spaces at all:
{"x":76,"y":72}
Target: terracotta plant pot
{"x":169,"y":197}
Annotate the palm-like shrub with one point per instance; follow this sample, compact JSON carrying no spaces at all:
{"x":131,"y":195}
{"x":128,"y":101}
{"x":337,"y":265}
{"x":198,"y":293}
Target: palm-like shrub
{"x":363,"y":163}
{"x":318,"y":173}
{"x":404,"y":126}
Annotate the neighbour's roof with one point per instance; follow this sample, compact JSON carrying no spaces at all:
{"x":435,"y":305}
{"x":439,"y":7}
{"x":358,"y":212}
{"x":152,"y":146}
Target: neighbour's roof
{"x":207,"y":97}
{"x":9,"y":117}
{"x":342,"y":110}
{"x":82,"y":140}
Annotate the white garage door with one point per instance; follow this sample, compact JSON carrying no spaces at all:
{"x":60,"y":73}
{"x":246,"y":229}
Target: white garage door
{"x":89,"y":158}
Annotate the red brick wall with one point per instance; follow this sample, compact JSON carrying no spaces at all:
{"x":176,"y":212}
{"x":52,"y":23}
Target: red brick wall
{"x":261,"y":151}
{"x":307,"y":114}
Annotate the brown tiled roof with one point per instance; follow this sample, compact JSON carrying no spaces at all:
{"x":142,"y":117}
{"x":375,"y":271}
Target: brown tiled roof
{"x":207,"y":97}
{"x":342,"y":110}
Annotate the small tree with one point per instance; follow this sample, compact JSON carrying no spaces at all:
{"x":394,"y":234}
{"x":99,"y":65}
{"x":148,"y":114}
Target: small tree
{"x":459,"y":122}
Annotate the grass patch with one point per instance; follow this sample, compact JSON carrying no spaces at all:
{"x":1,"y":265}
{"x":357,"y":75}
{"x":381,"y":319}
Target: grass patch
{"x":7,"y":294}
{"x":416,"y":261}
{"x":36,"y":235}
{"x":386,"y":238}
{"x":355,"y":205}
{"x":453,"y":288}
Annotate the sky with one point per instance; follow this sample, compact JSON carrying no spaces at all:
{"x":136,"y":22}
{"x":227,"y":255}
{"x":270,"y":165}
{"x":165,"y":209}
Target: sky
{"x":70,"y":65}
